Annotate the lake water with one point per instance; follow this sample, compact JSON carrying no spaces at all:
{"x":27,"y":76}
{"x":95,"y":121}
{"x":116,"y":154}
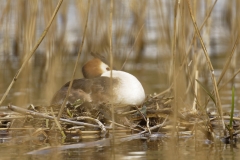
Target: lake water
{"x":162,"y":147}
{"x":49,"y":70}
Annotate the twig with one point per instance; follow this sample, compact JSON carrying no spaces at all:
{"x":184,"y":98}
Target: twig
{"x":139,"y":135}
{"x":155,"y":127}
{"x":32,"y":52}
{"x":149,"y":131}
{"x":234,"y":134}
{"x":120,"y":125}
{"x":58,"y":124}
{"x":36,"y":114}
{"x":141,"y":113}
{"x":103,"y":129}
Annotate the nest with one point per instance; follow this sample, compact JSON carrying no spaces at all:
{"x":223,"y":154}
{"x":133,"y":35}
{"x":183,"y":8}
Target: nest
{"x":83,"y":120}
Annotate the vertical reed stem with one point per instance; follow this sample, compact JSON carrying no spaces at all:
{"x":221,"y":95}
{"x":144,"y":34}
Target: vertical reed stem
{"x":76,"y":64}
{"x":210,"y":67}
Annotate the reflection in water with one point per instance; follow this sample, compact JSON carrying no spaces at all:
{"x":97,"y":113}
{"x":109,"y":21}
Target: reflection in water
{"x":136,"y":149}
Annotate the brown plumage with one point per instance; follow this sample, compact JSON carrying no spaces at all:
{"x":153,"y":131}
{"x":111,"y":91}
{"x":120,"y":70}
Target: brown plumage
{"x":88,"y":90}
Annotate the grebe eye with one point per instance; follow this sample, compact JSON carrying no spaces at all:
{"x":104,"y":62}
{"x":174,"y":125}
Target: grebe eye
{"x":108,"y":69}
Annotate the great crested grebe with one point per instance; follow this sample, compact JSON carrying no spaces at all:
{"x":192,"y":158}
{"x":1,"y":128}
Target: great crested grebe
{"x":96,"y":87}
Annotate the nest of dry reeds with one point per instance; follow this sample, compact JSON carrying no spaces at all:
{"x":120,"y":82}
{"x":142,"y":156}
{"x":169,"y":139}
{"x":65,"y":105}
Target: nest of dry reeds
{"x":85,"y":120}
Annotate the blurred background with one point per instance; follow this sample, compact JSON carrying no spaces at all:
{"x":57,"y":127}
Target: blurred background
{"x":143,"y":32}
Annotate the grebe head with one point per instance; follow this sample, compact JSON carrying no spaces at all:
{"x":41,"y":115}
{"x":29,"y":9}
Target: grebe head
{"x":94,"y":68}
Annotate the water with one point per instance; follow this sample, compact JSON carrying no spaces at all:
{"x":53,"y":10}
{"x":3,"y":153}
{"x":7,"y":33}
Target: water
{"x":187,"y":147}
{"x":136,"y":149}
{"x":42,"y":78}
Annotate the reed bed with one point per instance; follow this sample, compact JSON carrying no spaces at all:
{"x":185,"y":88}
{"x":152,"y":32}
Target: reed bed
{"x":38,"y":45}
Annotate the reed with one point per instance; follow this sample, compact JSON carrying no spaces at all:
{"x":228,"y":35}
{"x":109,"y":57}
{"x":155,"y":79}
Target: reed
{"x":168,"y":45}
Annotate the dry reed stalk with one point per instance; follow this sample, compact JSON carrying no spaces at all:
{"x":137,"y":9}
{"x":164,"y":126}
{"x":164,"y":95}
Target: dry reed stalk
{"x":120,"y":125}
{"x":210,"y":67}
{"x":55,"y":46}
{"x":141,"y":114}
{"x":111,"y":59}
{"x":13,"y":117}
{"x":230,"y":79}
{"x":192,"y":42}
{"x":204,"y":22}
{"x":31,"y":25}
{"x":234,"y":118}
{"x":194,"y":61}
{"x":148,"y":128}
{"x":27,"y":128}
{"x":182,"y":33}
{"x":228,"y":60}
{"x":174,"y":65}
{"x":32,"y":52}
{"x":125,"y":61}
{"x":5,"y":11}
{"x":5,"y":23}
{"x":165,"y":27}
{"x":79,"y":132}
{"x":58,"y":124}
{"x":41,"y":115}
{"x":75,"y":67}
{"x":90,"y":136}
{"x":28,"y":39}
{"x":194,"y":107}
{"x":197,"y":60}
{"x":103,"y":129}
{"x":111,"y":67}
{"x":89,"y":132}
{"x":164,"y":92}
{"x":48,"y":46}
{"x":237,"y":22}
{"x":196,"y":101}
{"x":156,"y":127}
{"x":139,"y":9}
{"x":184,"y":60}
